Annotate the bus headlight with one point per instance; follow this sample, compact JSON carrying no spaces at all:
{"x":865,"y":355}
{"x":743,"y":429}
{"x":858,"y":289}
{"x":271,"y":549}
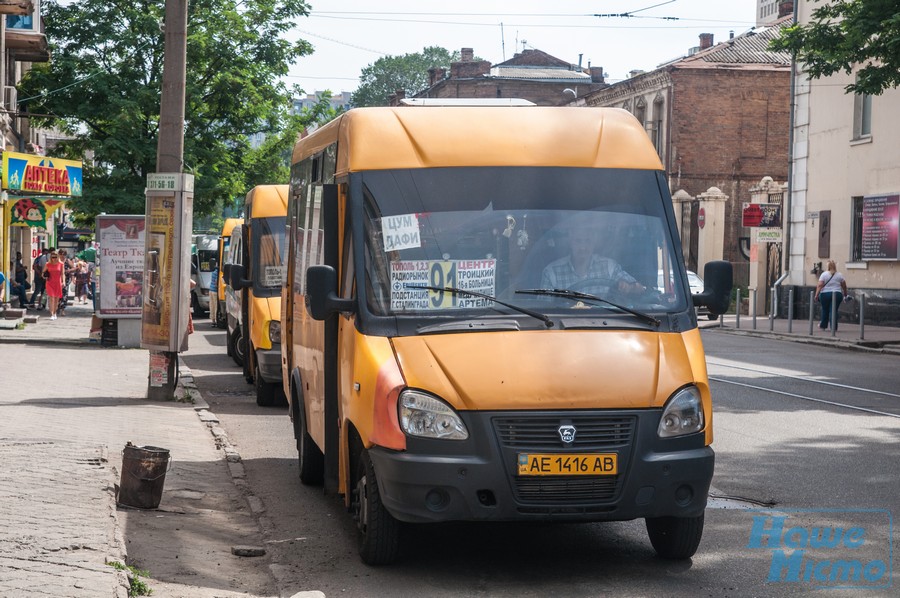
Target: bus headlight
{"x":275,"y":332}
{"x":424,"y":415}
{"x":682,"y":415}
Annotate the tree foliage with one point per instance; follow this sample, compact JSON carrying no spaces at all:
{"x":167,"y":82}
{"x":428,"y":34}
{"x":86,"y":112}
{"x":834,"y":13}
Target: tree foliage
{"x":848,"y":36}
{"x":408,"y":72}
{"x":103,"y":87}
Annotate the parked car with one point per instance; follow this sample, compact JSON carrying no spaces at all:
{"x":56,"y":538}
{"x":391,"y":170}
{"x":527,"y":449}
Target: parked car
{"x":696,"y":284}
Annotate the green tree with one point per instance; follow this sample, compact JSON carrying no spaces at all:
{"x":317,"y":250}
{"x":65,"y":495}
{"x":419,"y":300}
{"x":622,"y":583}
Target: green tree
{"x":103,"y":85}
{"x":848,"y":35}
{"x":408,"y":72}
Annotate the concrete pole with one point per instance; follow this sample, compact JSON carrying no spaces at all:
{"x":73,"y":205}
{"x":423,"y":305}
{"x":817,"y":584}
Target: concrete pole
{"x":170,"y":146}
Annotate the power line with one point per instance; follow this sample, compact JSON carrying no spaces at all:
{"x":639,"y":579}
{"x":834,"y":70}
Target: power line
{"x":337,"y":41}
{"x":540,"y":25}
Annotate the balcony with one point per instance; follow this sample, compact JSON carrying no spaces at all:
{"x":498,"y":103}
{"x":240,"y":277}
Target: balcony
{"x":25,"y":39}
{"x":16,"y":7}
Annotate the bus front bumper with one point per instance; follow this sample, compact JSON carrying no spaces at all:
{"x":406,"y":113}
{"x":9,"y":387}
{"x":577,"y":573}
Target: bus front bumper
{"x":477,"y":479}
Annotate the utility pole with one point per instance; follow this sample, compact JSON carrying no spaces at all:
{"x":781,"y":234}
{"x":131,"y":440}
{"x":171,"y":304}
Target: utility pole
{"x":167,"y":194}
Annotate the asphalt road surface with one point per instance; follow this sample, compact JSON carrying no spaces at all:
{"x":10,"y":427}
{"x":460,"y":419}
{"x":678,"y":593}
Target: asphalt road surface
{"x":806,"y":482}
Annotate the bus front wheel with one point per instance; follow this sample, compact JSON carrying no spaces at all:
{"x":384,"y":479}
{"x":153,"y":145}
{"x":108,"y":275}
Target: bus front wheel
{"x":675,"y":537}
{"x":379,"y":532}
{"x":237,"y":346}
{"x":310,"y":460}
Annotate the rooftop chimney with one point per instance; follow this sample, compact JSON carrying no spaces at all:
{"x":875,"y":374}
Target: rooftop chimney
{"x":467,"y":54}
{"x":706,"y":40}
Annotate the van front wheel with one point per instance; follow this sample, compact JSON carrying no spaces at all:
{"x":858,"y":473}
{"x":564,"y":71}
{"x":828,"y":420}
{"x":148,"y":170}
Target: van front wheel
{"x":265,"y":391}
{"x":675,"y":537}
{"x":237,"y":346}
{"x":310,"y":459}
{"x":379,"y":532}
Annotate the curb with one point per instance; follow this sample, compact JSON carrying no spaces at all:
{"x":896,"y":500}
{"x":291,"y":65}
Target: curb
{"x":864,"y":346}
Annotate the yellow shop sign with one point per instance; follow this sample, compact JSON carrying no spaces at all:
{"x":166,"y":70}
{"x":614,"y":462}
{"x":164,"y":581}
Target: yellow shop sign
{"x":41,"y":175}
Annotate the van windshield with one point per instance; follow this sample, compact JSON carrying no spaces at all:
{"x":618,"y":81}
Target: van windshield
{"x":500,"y":231}
{"x":267,"y":255}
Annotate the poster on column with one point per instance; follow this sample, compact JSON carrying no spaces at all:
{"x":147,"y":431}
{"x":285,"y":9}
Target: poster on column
{"x":121,"y":265}
{"x":164,"y":315}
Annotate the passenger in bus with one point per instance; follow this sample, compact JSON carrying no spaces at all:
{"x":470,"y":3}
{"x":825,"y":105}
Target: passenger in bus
{"x":583,"y":270}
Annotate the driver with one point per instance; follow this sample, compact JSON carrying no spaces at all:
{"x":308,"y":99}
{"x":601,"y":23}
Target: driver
{"x":583,"y":270}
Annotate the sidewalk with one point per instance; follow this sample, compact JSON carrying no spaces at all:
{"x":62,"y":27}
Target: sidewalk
{"x":68,"y":409}
{"x":879,"y":339}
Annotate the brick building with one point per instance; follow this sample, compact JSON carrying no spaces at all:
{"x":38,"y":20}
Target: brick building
{"x":719,"y":117}
{"x":532,"y":75}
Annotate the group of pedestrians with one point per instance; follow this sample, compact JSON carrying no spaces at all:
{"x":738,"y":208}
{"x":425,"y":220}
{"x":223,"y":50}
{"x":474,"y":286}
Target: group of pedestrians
{"x":54,"y":273}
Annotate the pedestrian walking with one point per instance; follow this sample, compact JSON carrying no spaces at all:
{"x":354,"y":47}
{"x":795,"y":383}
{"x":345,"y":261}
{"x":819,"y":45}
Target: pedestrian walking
{"x":214,"y":291}
{"x":830,"y":291}
{"x":68,"y":275}
{"x":54,"y":274}
{"x":38,"y":294}
{"x":82,"y":281}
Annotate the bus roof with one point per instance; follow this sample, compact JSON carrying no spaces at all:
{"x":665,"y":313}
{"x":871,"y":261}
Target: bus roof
{"x":229,"y":225}
{"x":265,"y":201}
{"x":448,"y":136}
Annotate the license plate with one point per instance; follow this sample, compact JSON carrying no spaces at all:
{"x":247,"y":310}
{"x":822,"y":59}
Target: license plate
{"x":568,"y":464}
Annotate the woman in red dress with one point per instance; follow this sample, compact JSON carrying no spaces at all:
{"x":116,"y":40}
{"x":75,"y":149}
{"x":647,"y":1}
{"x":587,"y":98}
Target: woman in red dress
{"x":53,"y":273}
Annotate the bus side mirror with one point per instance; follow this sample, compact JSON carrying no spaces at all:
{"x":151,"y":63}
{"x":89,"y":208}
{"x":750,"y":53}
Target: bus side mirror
{"x":321,"y":293}
{"x":238,"y":280}
{"x":717,"y":280}
{"x":226,"y":273}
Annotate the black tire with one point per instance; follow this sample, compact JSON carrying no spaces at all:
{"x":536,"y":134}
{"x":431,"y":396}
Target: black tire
{"x":310,"y":460}
{"x":265,"y":392}
{"x":199,"y":312}
{"x":712,"y":316}
{"x":675,"y":537}
{"x":379,"y":532}
{"x":237,"y":347}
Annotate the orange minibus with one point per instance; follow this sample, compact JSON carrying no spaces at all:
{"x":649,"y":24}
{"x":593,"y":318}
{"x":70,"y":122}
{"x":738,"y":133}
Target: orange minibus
{"x":472,"y":327}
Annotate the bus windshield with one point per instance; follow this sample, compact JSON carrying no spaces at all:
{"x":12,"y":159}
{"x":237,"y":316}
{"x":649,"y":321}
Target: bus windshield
{"x":267,"y":255}
{"x":502,"y":231}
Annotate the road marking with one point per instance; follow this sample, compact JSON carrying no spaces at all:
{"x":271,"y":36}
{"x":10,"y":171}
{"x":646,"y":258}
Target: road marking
{"x":805,"y":398}
{"x":802,"y":378}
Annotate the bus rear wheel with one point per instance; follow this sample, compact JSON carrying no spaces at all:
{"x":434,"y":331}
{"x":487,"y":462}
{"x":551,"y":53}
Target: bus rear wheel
{"x":379,"y":532}
{"x":675,"y":537}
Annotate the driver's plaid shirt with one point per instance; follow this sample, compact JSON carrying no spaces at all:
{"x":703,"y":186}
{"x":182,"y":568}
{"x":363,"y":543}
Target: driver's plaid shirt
{"x":561,"y":274}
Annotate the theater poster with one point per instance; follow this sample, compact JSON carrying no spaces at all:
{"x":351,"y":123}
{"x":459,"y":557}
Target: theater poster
{"x":121,"y":265}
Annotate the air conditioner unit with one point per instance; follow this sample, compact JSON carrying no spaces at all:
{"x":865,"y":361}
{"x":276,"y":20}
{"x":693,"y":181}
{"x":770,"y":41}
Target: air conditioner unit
{"x":10,"y":98}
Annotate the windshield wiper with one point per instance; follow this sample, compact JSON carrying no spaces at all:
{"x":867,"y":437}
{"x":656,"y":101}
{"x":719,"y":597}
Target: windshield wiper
{"x":543,"y":318}
{"x":569,"y":294}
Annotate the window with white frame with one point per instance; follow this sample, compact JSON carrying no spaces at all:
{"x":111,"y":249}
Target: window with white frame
{"x":862,"y":116}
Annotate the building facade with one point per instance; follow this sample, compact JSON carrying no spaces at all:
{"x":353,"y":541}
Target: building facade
{"x":845,"y":191}
{"x":719,"y":118}
{"x":531,"y":75}
{"x":22,"y":44}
